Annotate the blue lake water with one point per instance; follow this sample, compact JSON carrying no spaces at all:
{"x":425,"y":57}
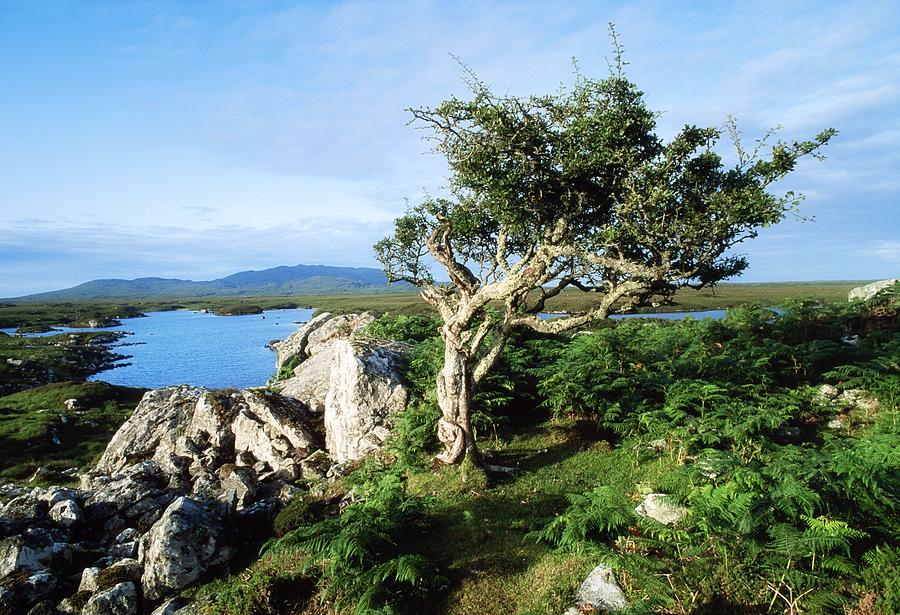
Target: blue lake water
{"x":183,"y":347}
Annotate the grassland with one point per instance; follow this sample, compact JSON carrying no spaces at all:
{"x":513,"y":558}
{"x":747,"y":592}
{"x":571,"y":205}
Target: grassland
{"x":80,"y":313}
{"x":38,"y":429}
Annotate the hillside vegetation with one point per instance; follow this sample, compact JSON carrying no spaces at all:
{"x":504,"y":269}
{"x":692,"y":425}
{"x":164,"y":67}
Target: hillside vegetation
{"x":777,"y":436}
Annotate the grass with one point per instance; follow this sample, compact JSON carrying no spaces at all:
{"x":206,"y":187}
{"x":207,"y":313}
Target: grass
{"x":37,"y":430}
{"x":78,"y":313}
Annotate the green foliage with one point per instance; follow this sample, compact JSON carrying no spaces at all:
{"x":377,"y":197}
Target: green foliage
{"x":402,"y":328}
{"x":359,"y":554}
{"x":600,"y":514}
{"x":734,"y":405}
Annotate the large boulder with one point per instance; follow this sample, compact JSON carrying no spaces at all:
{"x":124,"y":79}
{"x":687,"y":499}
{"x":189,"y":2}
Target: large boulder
{"x":365,"y":393}
{"x":188,"y":539}
{"x":864,"y":293}
{"x":353,"y":382}
{"x":155,"y":425}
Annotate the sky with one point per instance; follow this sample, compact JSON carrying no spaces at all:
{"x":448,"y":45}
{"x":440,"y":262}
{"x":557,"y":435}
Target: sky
{"x":197,"y":139}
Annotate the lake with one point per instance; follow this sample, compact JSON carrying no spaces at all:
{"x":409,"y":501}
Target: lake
{"x":185,"y":347}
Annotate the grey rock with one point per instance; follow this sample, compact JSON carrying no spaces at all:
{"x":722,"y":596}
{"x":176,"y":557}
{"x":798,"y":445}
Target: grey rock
{"x":38,"y":585}
{"x":365,"y":393}
{"x":169,"y":607}
{"x":599,"y":592}
{"x":66,"y":513}
{"x":26,"y":553}
{"x":155,"y":424}
{"x":119,"y":599}
{"x":295,"y":344}
{"x":864,"y":293}
{"x":657,"y":507}
{"x":89,"y":579}
{"x":188,"y":539}
{"x":127,"y":535}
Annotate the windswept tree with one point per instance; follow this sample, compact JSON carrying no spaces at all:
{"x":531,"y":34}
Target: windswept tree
{"x":571,"y":190}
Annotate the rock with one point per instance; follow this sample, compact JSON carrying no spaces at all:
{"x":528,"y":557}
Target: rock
{"x":169,"y":607}
{"x":67,"y":513}
{"x":38,"y":585}
{"x":295,"y":344}
{"x":864,"y":293}
{"x":656,"y":507}
{"x":157,"y":421}
{"x":860,"y":399}
{"x":89,"y":579}
{"x":599,"y":593}
{"x":188,"y":539}
{"x":127,"y":535}
{"x":274,"y":430}
{"x":119,"y":599}
{"x":310,"y":381}
{"x":127,"y":569}
{"x":365,"y":392}
{"x":24,"y":508}
{"x":71,"y":404}
{"x":314,"y":335}
{"x":316,"y":465}
{"x":26,"y":553}
{"x":337,"y":327}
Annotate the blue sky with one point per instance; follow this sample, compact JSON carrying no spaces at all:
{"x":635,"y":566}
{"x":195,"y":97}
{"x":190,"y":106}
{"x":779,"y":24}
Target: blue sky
{"x":195,"y":139}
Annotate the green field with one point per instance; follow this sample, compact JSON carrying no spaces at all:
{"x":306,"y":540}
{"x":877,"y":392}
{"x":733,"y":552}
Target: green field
{"x":79,"y":313}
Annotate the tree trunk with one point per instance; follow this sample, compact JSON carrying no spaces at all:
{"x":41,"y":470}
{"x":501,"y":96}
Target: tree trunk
{"x":454,"y":391}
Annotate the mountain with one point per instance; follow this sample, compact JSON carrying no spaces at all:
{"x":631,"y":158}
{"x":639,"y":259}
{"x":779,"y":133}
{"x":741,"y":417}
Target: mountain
{"x":277,"y":281}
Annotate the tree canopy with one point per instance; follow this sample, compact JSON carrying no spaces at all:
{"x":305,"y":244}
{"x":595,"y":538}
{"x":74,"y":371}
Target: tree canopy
{"x":573,"y":190}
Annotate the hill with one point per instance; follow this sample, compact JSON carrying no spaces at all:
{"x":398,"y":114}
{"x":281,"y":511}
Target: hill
{"x":280,"y":281}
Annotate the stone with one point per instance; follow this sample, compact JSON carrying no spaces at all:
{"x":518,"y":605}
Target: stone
{"x":599,"y":593}
{"x":24,"y":508}
{"x":337,"y":327}
{"x":89,"y":579}
{"x":188,"y":539}
{"x":25,"y":553}
{"x":365,"y":393}
{"x":310,"y":381}
{"x":71,"y":404}
{"x":67,"y":513}
{"x":294,"y":345}
{"x":38,"y":585}
{"x":127,"y":535}
{"x":120,"y":599}
{"x":154,"y":426}
{"x":656,"y":506}
{"x":864,"y":293}
{"x":169,"y":607}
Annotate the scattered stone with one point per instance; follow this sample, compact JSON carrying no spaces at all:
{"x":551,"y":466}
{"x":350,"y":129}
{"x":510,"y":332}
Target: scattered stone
{"x":656,"y":506}
{"x":120,"y":599}
{"x":71,"y":404}
{"x":67,"y":513}
{"x":26,"y":552}
{"x":598,"y":593}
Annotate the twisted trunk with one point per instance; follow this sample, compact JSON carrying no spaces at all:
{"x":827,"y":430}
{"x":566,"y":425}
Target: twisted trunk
{"x":454,"y":392}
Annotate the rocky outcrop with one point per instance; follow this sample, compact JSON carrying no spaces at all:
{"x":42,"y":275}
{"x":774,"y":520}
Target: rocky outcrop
{"x":211,"y":444}
{"x":864,"y":293}
{"x":193,"y":473}
{"x":599,"y":593}
{"x":353,"y":382}
{"x":314,"y":335}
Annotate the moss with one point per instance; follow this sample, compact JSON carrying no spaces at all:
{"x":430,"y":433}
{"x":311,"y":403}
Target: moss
{"x":112,"y":576}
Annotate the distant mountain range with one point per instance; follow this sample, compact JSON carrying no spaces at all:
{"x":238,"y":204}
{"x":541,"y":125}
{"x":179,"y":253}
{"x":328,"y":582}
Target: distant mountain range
{"x":277,"y":281}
